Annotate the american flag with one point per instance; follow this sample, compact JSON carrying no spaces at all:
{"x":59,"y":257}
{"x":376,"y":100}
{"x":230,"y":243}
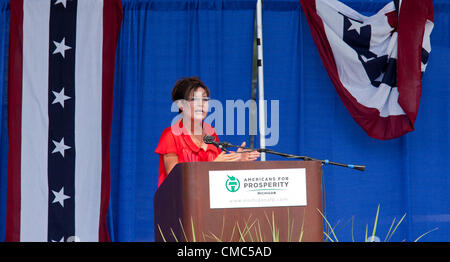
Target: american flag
{"x":375,"y":62}
{"x":61,"y":71}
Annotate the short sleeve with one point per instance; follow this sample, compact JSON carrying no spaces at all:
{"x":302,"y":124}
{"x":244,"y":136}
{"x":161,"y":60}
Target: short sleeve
{"x":166,"y":143}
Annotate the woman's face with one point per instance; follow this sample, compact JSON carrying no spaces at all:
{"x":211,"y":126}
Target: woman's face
{"x":196,"y":107}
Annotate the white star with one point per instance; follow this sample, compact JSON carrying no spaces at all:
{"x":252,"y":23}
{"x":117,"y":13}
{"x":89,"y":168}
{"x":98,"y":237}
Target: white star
{"x":63,"y":2}
{"x":60,"y":97}
{"x":355,"y":26}
{"x":61,"y":47}
{"x":60,"y":197}
{"x":62,"y":239}
{"x":60,"y":147}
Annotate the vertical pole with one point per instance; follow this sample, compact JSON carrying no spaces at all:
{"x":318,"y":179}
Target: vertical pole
{"x":261,"y":109}
{"x":253,"y":121}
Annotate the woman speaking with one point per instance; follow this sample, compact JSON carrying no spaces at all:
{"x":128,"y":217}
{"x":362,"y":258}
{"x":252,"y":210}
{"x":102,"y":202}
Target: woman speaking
{"x":183,"y":141}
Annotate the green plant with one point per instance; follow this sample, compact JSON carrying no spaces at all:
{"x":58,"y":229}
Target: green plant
{"x":330,"y":234}
{"x":250,"y":230}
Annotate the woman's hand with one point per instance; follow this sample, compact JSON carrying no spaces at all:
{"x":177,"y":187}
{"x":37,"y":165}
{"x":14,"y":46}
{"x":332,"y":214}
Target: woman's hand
{"x":248,"y":155}
{"x":239,"y":155}
{"x":230,"y":157}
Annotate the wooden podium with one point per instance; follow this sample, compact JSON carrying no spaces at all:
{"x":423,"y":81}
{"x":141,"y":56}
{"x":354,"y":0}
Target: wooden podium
{"x":182,"y":207}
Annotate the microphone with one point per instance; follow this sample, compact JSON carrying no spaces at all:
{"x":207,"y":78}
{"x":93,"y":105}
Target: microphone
{"x":209,"y":139}
{"x":212,"y":140}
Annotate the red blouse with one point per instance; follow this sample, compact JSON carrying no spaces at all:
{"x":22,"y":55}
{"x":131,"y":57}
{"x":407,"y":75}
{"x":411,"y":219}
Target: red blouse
{"x":176,"y":140}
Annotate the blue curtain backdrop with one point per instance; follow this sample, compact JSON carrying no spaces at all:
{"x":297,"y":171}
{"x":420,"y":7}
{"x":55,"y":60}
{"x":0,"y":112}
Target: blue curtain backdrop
{"x":4,"y":45}
{"x":162,"y":40}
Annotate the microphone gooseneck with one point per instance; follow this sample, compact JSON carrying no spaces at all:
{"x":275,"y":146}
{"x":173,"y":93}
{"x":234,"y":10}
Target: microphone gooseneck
{"x":223,"y":145}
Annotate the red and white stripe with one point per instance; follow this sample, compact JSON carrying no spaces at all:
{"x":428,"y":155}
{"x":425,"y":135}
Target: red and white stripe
{"x":383,"y":112}
{"x":98,"y":25}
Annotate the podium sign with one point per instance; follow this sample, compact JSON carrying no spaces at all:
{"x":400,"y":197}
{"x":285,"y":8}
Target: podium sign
{"x":240,"y":201}
{"x":257,"y":188}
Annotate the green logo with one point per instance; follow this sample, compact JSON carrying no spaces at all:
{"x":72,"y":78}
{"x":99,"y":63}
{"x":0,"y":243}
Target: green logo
{"x":232,"y":184}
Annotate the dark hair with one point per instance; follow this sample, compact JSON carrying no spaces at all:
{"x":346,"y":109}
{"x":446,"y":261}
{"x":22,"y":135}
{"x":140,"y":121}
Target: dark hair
{"x":185,"y":85}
